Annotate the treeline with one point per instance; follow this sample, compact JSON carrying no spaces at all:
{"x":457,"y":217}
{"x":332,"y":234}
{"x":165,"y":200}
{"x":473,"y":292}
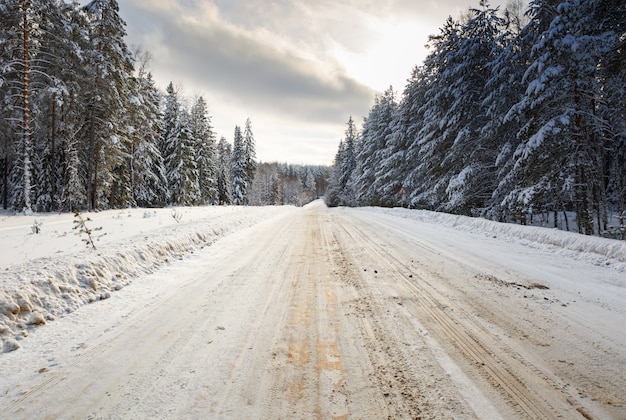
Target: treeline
{"x":511,"y":116}
{"x":285,"y":184}
{"x":83,"y":126}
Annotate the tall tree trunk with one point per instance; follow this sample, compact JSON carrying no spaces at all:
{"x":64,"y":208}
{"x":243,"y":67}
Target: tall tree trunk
{"x":53,"y":155}
{"x":584,"y":212}
{"x":26,"y":110}
{"x":92,"y":171}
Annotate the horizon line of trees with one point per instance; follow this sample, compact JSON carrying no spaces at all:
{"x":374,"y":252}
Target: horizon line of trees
{"x":84,"y":127}
{"x":511,"y":116}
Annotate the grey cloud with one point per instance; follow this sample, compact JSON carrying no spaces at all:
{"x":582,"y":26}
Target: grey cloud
{"x":221,"y":59}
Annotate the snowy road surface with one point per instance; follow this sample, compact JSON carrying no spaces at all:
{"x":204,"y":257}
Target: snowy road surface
{"x":337,"y":313}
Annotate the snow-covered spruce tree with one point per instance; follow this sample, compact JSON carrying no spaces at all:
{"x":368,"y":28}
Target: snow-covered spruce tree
{"x":182,"y":169}
{"x":52,"y":53}
{"x":504,"y":88}
{"x":333,"y":194}
{"x":559,"y":158}
{"x":110,"y":66}
{"x":512,"y":65}
{"x":249,"y":151}
{"x":169,"y":145}
{"x":238,"y":171}
{"x":465,"y":159}
{"x":348,"y":164}
{"x":362,"y":172}
{"x":428,"y":180}
{"x":71,"y":108}
{"x":224,"y":154}
{"x":148,"y":178}
{"x":404,"y":165}
{"x":341,"y":180}
{"x":384,"y":186}
{"x":206,"y":158}
{"x":170,"y":119}
{"x":610,"y":19}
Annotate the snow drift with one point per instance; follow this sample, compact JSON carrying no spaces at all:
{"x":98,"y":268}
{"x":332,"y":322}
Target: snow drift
{"x":48,"y":282}
{"x":597,"y":250}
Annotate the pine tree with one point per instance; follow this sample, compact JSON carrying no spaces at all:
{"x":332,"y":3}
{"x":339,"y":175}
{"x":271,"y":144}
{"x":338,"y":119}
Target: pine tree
{"x":169,"y":141}
{"x":333,"y":195}
{"x":381,"y":120}
{"x":249,"y":152}
{"x":224,"y":153}
{"x":464,"y":175}
{"x":72,"y":107}
{"x":55,"y":75}
{"x":10,"y":43}
{"x":428,"y":180}
{"x":170,"y":118}
{"x":342,"y":175}
{"x":239,"y":174}
{"x":21,"y":36}
{"x":205,"y":151}
{"x":110,"y":66}
{"x":182,"y":168}
{"x":148,"y":177}
{"x":348,"y":164}
{"x":609,"y":17}
{"x":404,"y":142}
{"x":560,"y":153}
{"x":504,"y":88}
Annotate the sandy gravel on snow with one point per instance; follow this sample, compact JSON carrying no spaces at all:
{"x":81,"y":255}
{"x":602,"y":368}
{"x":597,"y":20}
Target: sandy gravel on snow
{"x":325,"y":313}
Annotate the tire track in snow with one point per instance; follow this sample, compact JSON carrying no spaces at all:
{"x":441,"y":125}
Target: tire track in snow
{"x":533,"y":393}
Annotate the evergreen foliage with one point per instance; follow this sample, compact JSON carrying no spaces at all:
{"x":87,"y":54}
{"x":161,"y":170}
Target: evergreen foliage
{"x":284,"y":184}
{"x":510,"y":117}
{"x":224,"y":152}
{"x":83,"y":126}
{"x":238,"y":170}
{"x":204,"y":139}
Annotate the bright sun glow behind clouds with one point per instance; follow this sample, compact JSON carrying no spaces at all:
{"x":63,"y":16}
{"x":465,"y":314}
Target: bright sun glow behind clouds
{"x":390,"y":58}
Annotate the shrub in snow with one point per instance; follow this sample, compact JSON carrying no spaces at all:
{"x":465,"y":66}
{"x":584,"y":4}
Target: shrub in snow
{"x":178,"y":216}
{"x":37,"y":291}
{"x":81,"y":226}
{"x":36,"y":228}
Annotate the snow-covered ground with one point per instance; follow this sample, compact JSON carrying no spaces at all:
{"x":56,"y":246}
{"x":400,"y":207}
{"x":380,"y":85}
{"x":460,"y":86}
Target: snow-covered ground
{"x":44,"y":275}
{"x":367,"y":312}
{"x":596,"y":250}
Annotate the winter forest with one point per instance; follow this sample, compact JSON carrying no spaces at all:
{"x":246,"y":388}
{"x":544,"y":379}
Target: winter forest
{"x":83,"y":126}
{"x":515,"y":115}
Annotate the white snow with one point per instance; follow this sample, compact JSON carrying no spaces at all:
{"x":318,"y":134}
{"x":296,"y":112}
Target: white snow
{"x":44,"y":275}
{"x":596,"y":250}
{"x":53,"y":273}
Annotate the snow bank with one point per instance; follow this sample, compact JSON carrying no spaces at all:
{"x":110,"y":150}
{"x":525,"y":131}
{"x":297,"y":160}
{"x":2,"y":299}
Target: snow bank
{"x":598,"y":250}
{"x":38,"y":289}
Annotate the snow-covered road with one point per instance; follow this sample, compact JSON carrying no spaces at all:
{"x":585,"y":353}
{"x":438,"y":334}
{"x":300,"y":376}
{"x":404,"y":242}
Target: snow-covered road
{"x":338,"y":313}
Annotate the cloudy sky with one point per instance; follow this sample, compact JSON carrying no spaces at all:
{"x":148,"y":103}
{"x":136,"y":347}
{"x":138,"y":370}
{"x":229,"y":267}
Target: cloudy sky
{"x":297,"y":68}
